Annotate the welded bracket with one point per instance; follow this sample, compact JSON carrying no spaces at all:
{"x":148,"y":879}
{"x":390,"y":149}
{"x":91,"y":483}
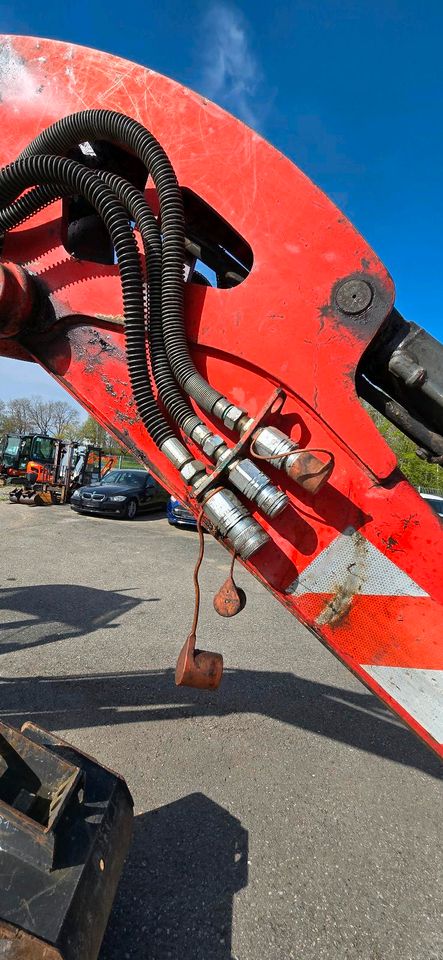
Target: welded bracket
{"x":272,"y":405}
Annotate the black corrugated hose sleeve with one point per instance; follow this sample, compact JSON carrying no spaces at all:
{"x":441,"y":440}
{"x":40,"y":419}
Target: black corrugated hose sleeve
{"x":124,"y":131}
{"x":140,"y":211}
{"x":146,"y":222}
{"x":26,"y":206}
{"x":52,"y":170}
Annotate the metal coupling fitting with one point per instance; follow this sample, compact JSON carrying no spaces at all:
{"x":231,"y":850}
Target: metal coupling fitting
{"x":246,"y":423}
{"x":220,"y":406}
{"x":193,"y":471}
{"x":270,"y":442}
{"x":255,"y":485}
{"x":302,"y":466}
{"x":200,"y":433}
{"x":213,"y":444}
{"x":230,"y":414}
{"x":176,"y":452}
{"x":235,"y":523}
{"x":232,"y":417}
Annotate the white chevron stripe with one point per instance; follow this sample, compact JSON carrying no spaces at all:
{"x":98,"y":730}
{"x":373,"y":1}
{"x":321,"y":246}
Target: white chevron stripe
{"x":419,"y":692}
{"x":352,"y":562}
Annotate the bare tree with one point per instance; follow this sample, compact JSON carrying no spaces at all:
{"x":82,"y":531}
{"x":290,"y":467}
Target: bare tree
{"x":65,"y":420}
{"x":17,"y":416}
{"x":41,"y":414}
{"x":37,"y":415}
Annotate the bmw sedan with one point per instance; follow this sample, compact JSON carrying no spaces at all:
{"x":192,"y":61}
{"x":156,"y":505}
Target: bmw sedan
{"x":121,"y":493}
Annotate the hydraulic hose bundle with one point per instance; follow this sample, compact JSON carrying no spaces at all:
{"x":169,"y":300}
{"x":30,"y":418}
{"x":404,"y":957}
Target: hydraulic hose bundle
{"x":122,"y":130}
{"x":154,"y":314}
{"x":27,"y":171}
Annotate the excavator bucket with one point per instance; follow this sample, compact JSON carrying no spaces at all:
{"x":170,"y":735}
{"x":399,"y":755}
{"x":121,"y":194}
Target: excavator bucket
{"x":41,"y":498}
{"x":65,"y":828}
{"x":32,"y":498}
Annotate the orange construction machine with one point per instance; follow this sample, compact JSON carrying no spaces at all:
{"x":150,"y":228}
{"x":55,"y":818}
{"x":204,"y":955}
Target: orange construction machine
{"x":23,"y":454}
{"x":73,"y":465}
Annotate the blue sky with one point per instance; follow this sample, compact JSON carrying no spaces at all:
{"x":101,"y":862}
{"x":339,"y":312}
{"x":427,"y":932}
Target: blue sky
{"x":352,"y":91}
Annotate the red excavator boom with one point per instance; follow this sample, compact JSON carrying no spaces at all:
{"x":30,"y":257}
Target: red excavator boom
{"x":245,"y":404}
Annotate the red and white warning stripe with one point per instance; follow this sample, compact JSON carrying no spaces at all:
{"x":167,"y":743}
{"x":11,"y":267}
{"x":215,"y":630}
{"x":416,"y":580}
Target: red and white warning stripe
{"x":382,"y":624}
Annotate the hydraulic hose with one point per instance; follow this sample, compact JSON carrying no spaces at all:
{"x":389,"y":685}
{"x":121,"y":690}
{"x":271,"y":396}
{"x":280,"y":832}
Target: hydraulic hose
{"x":140,"y":211}
{"x":243,"y":474}
{"x":51,"y":170}
{"x":124,"y":131}
{"x":30,"y":203}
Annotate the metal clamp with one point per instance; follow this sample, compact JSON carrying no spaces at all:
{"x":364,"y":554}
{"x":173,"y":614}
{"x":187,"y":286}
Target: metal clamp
{"x":272,"y":405}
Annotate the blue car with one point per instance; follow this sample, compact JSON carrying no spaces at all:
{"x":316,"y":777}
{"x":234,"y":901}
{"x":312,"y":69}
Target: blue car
{"x":178,"y":515}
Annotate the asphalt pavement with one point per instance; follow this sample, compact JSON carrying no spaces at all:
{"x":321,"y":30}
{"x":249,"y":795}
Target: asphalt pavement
{"x":287,"y":815}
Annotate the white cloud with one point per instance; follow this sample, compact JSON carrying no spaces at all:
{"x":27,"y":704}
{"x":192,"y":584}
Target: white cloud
{"x":231,"y":74}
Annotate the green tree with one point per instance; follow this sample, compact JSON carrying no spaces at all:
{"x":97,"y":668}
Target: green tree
{"x":97,"y":435}
{"x":65,"y":420}
{"x":420,"y":473}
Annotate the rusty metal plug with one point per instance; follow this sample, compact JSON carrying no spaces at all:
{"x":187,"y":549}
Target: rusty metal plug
{"x":230,"y":599}
{"x":198,"y":668}
{"x":302,"y":466}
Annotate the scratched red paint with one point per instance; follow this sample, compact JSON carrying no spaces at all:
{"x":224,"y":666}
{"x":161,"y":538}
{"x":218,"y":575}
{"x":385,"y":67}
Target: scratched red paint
{"x":277,"y":326}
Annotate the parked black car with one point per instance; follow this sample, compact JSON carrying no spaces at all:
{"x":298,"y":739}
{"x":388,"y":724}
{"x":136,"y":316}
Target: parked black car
{"x":121,"y":493}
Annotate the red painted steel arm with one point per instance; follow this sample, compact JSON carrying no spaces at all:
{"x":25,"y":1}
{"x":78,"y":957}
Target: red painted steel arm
{"x":359,"y":563}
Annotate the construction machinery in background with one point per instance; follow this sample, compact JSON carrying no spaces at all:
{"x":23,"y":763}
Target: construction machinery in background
{"x":22,"y":454}
{"x":242,"y":397}
{"x":74,"y":464}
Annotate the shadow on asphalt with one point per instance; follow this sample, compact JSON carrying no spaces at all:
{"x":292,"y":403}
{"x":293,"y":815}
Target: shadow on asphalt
{"x":188,"y":858}
{"x":107,"y":699}
{"x":175,"y":898}
{"x":140,"y":518}
{"x":79,"y":610}
{"x":354,"y":718}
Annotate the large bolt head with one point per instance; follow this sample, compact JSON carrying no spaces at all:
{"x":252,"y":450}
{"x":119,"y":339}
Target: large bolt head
{"x":353,"y":296}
